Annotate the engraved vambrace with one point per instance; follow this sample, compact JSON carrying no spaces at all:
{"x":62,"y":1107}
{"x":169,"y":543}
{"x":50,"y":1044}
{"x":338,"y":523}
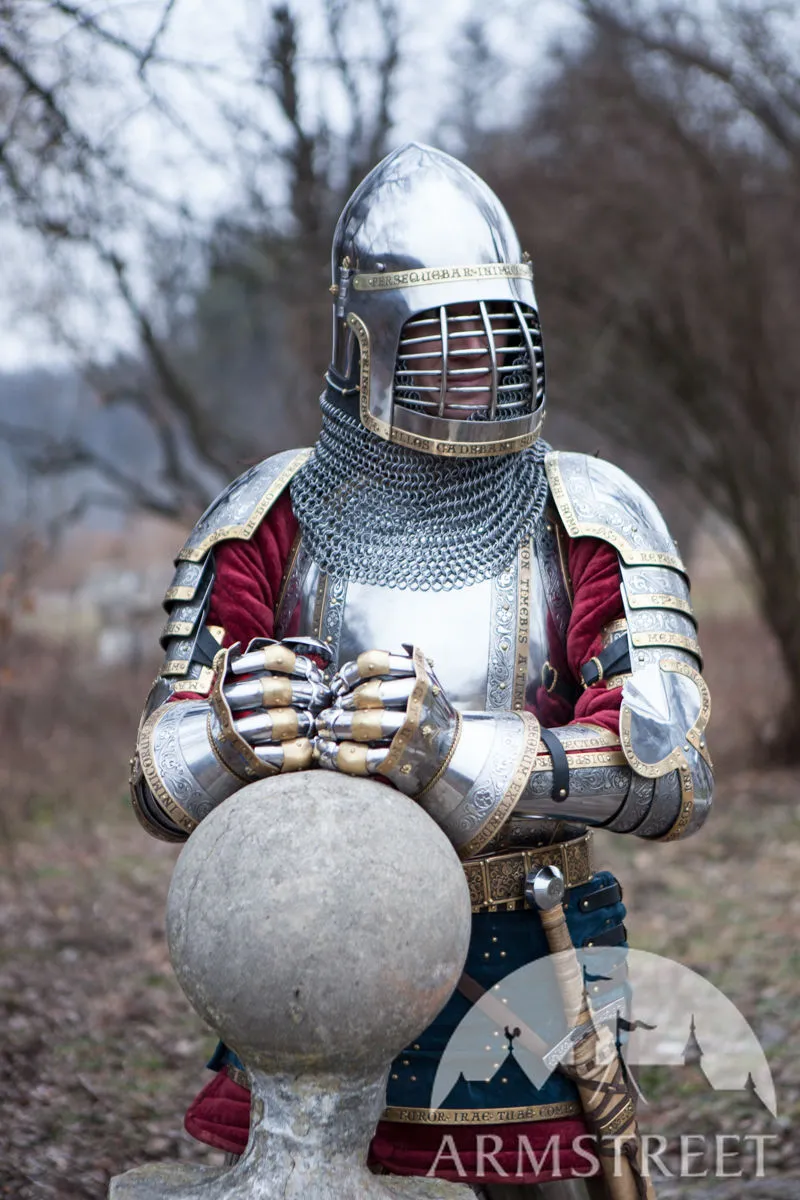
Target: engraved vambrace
{"x":471,"y":771}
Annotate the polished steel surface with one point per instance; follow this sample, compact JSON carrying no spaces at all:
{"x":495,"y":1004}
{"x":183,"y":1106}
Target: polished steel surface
{"x":595,"y":797}
{"x":545,"y":888}
{"x":421,"y":233}
{"x":452,"y":628}
{"x":596,"y":499}
{"x":189,"y":770}
{"x":665,"y":807}
{"x":664,"y":706}
{"x":477,"y":778}
{"x":290,"y":597}
{"x":703,"y":784}
{"x":503,"y":624}
{"x":478,"y":671}
{"x":659,"y":587}
{"x":546,"y":547}
{"x":636,"y":805}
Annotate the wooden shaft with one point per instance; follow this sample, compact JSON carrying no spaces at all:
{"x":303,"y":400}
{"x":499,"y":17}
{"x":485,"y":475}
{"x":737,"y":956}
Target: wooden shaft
{"x":600,"y":1080}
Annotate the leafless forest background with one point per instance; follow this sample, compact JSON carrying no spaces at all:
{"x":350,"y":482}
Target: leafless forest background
{"x":650,"y":159}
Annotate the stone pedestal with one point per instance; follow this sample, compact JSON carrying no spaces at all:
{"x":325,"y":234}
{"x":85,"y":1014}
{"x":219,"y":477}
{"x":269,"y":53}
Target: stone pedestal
{"x":318,"y":924}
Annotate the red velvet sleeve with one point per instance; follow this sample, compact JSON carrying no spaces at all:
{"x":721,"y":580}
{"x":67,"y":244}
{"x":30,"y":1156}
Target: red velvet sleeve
{"x":595,"y":576}
{"x":247,"y":581}
{"x":597,"y":600}
{"x":249,"y":575}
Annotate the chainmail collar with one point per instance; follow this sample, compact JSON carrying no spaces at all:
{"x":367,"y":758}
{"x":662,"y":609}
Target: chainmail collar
{"x":380,"y":514}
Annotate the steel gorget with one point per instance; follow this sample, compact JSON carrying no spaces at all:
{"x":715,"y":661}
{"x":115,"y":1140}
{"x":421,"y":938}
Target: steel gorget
{"x":385,"y":515}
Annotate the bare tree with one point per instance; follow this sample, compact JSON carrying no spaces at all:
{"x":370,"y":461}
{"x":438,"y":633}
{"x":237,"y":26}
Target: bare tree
{"x":655,"y":182}
{"x":227,"y":322}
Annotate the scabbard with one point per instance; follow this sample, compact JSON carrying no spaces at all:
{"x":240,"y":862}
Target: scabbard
{"x":597,"y":1071}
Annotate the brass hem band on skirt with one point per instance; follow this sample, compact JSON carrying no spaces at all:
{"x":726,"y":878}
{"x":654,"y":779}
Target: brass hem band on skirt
{"x":483,"y":1116}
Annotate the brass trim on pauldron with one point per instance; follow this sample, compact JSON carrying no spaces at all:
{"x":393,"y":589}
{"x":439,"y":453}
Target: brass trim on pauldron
{"x":389,"y":280}
{"x":497,"y":882}
{"x":181,"y":594}
{"x":176,"y":666}
{"x":482,"y":1116}
{"x":664,"y":637}
{"x":612,"y":630}
{"x":525,"y":559}
{"x":617,"y":681}
{"x":182,"y":666}
{"x":185,"y":584}
{"x":576,"y":527}
{"x":638,"y":600}
{"x":246,"y":529}
{"x":200,"y":684}
{"x":516,"y":786}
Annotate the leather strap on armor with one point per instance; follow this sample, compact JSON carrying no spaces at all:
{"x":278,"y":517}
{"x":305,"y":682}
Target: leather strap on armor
{"x":614,"y":660}
{"x":615,"y":936}
{"x":558,"y":754}
{"x":599,"y":899}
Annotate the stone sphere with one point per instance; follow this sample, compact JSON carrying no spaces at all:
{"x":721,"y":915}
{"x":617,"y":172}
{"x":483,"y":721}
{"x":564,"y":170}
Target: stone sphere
{"x":318,"y":922}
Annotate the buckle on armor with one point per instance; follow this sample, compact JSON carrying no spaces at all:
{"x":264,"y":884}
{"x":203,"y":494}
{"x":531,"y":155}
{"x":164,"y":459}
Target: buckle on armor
{"x":549,"y":677}
{"x":497,"y":883}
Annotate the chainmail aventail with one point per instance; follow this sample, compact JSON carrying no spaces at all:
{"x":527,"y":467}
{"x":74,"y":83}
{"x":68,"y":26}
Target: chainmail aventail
{"x":380,"y":514}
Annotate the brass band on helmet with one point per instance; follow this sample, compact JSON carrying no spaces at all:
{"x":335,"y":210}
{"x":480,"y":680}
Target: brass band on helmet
{"x":406,"y":257}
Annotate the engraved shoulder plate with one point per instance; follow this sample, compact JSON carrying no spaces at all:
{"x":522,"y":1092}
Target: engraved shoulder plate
{"x":238,"y":511}
{"x":596,"y":499}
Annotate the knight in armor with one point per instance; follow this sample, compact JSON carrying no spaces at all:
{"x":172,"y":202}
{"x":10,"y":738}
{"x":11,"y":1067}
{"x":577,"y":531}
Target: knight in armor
{"x":435,"y":597}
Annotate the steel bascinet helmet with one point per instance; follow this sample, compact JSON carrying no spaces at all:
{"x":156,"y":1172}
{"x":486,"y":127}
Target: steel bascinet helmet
{"x":435,"y":321}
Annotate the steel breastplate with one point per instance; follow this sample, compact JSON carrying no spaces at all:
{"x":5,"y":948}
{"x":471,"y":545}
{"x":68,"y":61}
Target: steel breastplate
{"x":489,"y":641}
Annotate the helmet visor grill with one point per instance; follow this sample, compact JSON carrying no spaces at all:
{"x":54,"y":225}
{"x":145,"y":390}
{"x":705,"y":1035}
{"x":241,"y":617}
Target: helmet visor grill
{"x":480,"y":361}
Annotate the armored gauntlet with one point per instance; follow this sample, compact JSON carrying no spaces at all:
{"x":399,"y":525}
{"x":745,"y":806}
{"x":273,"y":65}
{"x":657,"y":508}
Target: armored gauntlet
{"x":257,"y":721}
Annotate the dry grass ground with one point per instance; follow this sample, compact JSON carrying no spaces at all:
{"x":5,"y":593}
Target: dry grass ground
{"x":100,"y":1052}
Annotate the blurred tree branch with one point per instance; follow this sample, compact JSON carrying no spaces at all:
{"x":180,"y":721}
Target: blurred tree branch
{"x":222,"y":344}
{"x":655,"y":182}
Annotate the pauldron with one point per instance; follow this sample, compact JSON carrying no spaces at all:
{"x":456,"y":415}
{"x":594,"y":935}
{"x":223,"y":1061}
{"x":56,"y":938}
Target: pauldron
{"x":186,"y":761}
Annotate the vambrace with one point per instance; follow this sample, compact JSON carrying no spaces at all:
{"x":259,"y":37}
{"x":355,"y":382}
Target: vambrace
{"x":654,"y":780}
{"x":185,"y":766}
{"x":193,"y":753}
